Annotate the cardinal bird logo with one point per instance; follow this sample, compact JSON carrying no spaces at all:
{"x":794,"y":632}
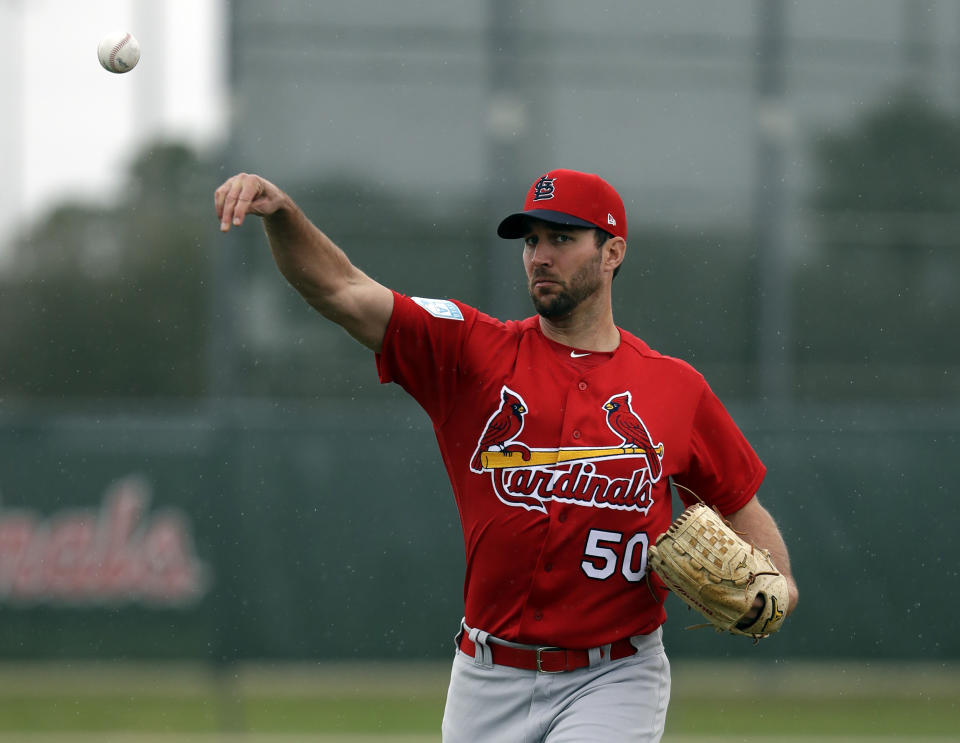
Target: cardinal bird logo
{"x":503,"y":426}
{"x":627,"y":425}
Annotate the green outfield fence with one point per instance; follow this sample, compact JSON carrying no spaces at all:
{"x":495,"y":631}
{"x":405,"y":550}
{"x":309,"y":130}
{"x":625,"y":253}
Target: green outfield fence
{"x":315,"y":530}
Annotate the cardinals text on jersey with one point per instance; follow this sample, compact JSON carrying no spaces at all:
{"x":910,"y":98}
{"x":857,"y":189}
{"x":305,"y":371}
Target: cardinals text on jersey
{"x":529,"y":477}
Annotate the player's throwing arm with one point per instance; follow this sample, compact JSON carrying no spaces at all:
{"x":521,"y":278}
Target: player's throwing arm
{"x":318,"y":269}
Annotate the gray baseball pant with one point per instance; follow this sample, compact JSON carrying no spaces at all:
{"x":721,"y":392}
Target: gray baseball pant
{"x":607,"y":702}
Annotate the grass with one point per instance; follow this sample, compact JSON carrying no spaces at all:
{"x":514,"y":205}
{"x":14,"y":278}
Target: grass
{"x":712,"y":703}
{"x":816,"y":717}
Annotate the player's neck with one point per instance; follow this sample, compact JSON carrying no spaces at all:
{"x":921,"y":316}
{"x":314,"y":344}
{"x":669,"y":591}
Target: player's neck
{"x":587,"y":328}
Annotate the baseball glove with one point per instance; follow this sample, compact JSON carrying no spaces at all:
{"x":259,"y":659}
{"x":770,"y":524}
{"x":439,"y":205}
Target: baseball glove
{"x":702,"y":560}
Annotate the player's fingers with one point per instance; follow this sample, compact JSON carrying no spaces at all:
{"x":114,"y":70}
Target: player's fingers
{"x":224,"y":201}
{"x":220,"y":197}
{"x":233,"y":199}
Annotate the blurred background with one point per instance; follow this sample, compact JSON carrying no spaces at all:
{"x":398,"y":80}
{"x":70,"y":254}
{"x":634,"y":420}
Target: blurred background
{"x":194,"y":467}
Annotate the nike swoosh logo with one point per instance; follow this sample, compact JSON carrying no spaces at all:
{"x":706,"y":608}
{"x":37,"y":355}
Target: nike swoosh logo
{"x":575,"y":355}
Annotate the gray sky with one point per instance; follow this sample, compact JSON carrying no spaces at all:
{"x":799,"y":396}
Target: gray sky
{"x":70,"y":127}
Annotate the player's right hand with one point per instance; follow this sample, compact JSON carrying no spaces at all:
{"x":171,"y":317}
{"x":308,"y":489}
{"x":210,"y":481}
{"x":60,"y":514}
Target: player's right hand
{"x":245,"y":194}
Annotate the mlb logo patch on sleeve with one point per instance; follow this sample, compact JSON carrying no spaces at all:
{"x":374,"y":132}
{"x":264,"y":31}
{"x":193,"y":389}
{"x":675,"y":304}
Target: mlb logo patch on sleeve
{"x":442,"y":308}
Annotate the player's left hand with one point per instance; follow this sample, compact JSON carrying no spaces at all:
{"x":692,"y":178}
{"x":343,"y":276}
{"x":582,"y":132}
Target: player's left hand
{"x":734,"y":584}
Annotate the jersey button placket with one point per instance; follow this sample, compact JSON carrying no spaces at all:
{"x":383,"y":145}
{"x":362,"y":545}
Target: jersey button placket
{"x":543,"y":585}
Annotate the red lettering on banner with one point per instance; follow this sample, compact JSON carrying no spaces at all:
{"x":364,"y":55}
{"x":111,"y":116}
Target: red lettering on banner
{"x":119,"y":554}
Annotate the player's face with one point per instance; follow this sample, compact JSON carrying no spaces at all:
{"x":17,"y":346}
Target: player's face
{"x":563,"y":268}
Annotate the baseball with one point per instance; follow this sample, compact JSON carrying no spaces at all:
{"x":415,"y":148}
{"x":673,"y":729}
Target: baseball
{"x":118,"y":51}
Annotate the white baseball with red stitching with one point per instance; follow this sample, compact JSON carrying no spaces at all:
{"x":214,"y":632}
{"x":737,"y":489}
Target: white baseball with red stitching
{"x":118,"y":51}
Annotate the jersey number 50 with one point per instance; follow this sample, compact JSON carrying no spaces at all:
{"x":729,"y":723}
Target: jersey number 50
{"x":602,"y":558}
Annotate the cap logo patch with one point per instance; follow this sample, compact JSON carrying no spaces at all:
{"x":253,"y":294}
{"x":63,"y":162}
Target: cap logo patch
{"x":611,"y":220}
{"x":543,"y":189}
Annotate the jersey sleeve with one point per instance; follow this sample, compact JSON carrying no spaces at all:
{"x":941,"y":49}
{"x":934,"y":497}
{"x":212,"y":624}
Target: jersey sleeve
{"x":723,"y":468}
{"x":421,"y":349}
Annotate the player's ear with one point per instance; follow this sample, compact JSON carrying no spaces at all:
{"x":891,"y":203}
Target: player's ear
{"x":614,"y":251}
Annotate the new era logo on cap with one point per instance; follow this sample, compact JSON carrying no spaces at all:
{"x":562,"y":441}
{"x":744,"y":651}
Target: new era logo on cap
{"x":572,"y":198}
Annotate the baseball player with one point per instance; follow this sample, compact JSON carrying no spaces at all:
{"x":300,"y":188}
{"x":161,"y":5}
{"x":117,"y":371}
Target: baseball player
{"x":561,"y":435}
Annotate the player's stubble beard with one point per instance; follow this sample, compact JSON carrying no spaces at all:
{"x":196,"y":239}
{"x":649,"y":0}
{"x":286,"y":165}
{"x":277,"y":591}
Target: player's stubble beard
{"x":584,"y":283}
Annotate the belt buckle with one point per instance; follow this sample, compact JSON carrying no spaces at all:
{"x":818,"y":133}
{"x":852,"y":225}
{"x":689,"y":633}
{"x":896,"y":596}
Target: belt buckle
{"x":540,"y":668}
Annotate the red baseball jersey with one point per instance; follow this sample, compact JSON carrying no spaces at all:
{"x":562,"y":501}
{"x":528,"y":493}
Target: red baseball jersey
{"x":560,"y":461}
